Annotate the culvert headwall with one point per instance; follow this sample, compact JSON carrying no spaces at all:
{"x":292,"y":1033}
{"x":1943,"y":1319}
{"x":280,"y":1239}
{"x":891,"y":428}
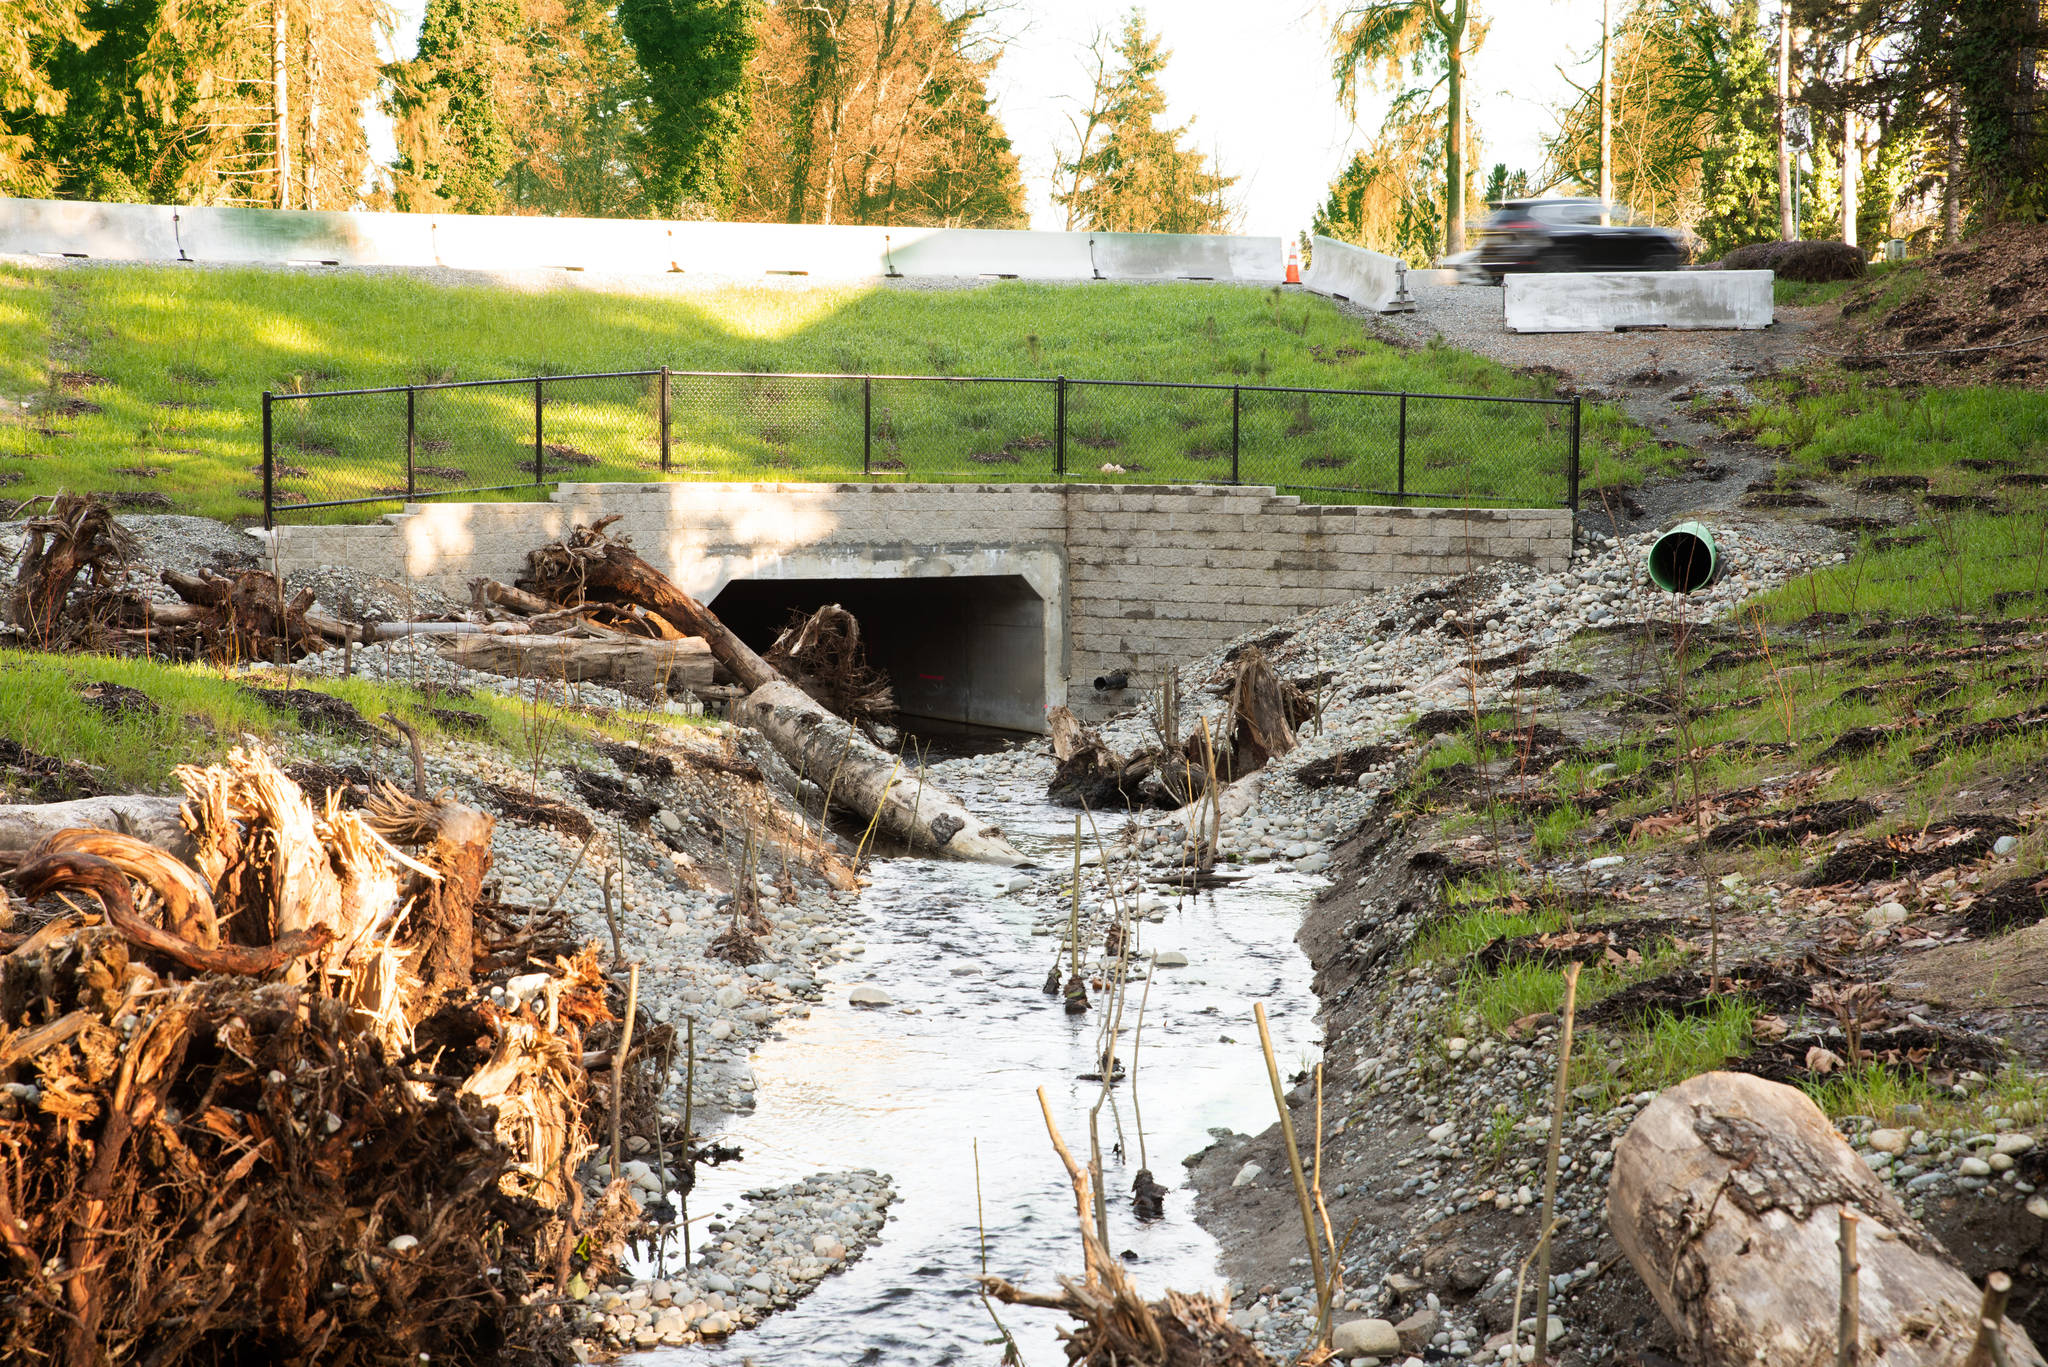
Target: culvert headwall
{"x":1125,"y":578}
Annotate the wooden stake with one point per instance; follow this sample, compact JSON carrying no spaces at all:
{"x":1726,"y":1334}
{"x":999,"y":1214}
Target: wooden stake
{"x":1564,"y":1063}
{"x":1308,"y":1218}
{"x":1846,"y":1330}
{"x":689,"y":1101}
{"x":619,"y":1062}
{"x":1989,"y":1345}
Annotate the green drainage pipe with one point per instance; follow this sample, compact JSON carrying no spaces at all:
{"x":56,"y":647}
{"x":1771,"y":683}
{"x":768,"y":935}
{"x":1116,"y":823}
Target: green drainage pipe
{"x":1684,"y":559}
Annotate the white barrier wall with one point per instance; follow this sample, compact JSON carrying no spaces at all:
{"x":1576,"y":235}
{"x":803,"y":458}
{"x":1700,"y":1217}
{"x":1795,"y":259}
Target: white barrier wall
{"x":153,"y":232}
{"x":1602,"y":302}
{"x":1347,"y":272}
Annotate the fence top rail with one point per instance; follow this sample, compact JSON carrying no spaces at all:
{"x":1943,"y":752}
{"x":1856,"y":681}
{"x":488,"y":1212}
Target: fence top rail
{"x":291,"y":395}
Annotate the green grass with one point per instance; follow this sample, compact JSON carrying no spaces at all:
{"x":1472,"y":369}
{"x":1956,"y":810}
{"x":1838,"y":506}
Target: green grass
{"x":182,"y":358}
{"x":1884,"y":279}
{"x":201,"y":712}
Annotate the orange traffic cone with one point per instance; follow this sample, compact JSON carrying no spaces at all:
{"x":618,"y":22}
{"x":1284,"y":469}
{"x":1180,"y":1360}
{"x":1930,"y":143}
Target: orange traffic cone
{"x":1294,"y":265}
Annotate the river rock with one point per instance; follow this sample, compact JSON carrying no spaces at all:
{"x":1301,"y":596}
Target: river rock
{"x":1246,"y":1175}
{"x":865,"y":995}
{"x":1171,"y":958}
{"x":1417,"y":1330}
{"x":1365,"y":1339}
{"x":1888,"y":1141}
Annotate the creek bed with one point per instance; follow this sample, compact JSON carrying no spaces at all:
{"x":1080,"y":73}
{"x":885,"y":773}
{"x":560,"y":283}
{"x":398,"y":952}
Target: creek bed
{"x":914,"y":1088}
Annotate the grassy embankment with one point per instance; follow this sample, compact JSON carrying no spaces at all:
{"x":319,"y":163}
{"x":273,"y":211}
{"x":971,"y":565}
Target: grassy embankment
{"x":196,"y":713}
{"x":1892,"y":677}
{"x":147,"y":380}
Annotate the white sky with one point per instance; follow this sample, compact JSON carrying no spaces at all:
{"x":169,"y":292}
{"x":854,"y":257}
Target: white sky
{"x":1258,"y":89}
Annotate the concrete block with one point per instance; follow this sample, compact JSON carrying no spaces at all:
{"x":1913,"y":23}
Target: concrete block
{"x":1604,"y":301}
{"x":1343,"y":271}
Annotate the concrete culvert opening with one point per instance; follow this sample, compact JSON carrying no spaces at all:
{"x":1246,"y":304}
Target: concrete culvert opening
{"x":967,"y":650}
{"x":1684,"y":559}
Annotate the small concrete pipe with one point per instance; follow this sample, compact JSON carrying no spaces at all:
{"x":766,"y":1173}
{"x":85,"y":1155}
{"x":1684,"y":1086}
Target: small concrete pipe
{"x":1684,"y":559}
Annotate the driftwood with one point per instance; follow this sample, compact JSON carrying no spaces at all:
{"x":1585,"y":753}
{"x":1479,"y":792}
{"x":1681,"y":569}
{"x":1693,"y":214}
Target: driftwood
{"x":154,"y":820}
{"x":682,"y":664}
{"x":862,"y":778}
{"x":823,"y":655}
{"x":227,"y":1167}
{"x":1726,"y":1197}
{"x":491,"y":593}
{"x":832,"y":754}
{"x":77,"y":536}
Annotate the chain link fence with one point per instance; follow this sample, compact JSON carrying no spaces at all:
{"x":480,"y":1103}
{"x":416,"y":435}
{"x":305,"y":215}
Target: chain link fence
{"x":329,"y":451}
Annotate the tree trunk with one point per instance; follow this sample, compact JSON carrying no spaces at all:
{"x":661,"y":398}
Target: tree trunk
{"x":1952,"y":178}
{"x":1263,"y":714}
{"x":831,"y":754}
{"x":617,"y":660}
{"x":1849,"y":171}
{"x":1726,"y":1197}
{"x":1454,"y":152}
{"x":1606,"y":110}
{"x":1788,"y":227}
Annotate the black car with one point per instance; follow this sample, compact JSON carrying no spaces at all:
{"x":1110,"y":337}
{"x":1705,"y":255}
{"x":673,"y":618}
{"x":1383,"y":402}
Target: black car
{"x":1567,"y":235}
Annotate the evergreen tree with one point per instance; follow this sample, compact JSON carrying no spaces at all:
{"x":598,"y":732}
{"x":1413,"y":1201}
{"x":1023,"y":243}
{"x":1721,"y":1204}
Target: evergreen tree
{"x":695,"y":55}
{"x":38,"y":30}
{"x":449,"y":106}
{"x":1129,"y":174}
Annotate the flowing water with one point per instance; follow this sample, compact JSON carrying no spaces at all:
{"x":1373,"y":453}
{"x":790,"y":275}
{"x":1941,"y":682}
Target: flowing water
{"x":915,"y":1092}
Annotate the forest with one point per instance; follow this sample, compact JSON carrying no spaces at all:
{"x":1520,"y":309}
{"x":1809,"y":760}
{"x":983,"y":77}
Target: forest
{"x":1734,"y":120}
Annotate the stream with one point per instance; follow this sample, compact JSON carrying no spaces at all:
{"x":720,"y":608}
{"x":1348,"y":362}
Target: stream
{"x":914,"y":1089}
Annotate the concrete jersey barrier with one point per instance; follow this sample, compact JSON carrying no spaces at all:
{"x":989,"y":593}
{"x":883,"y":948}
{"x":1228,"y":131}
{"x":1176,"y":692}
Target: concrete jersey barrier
{"x":155,"y":232}
{"x":1343,"y":271}
{"x":1605,"y":301}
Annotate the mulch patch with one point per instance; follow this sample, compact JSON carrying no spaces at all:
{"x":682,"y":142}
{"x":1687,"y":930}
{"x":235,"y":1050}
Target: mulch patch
{"x":1521,"y":655}
{"x":314,"y":710}
{"x":634,"y":760}
{"x":114,"y":701}
{"x":1344,"y":769}
{"x":49,"y":778}
{"x":1772,"y":986}
{"x":2030,"y":480}
{"x":1903,"y":1047}
{"x":1894,"y":484}
{"x":2013,"y":905}
{"x":1958,"y":503}
{"x":539,"y":811}
{"x":609,"y":794}
{"x":1443,"y":721}
{"x":1265,"y":643}
{"x":1896,"y":543}
{"x":1855,"y":524}
{"x":1550,"y":678}
{"x":1976,"y":733}
{"x":351,"y":784}
{"x":1448,"y":868}
{"x":1786,"y":499}
{"x":1946,"y":846}
{"x":1915,"y":688}
{"x":135,"y":500}
{"x":1593,"y":945}
{"x":1790,"y":827}
{"x":456,"y":719}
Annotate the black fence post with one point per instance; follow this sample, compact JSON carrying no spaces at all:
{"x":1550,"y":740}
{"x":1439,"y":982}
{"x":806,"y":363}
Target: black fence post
{"x":269,"y":466}
{"x":664,"y":421}
{"x":411,"y":427}
{"x":867,"y":426}
{"x":1236,"y":408}
{"x":540,"y":466}
{"x":1572,"y":493}
{"x":1401,"y":453}
{"x":1059,"y":423}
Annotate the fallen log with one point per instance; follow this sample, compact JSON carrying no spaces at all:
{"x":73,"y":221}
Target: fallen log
{"x":153,"y":820}
{"x":823,"y":655}
{"x":395,"y":631}
{"x":684,"y":663}
{"x":489,"y":592}
{"x":860,"y":776}
{"x":834,"y":755}
{"x":1264,"y":712}
{"x":1727,"y":1195}
{"x":77,"y":536}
